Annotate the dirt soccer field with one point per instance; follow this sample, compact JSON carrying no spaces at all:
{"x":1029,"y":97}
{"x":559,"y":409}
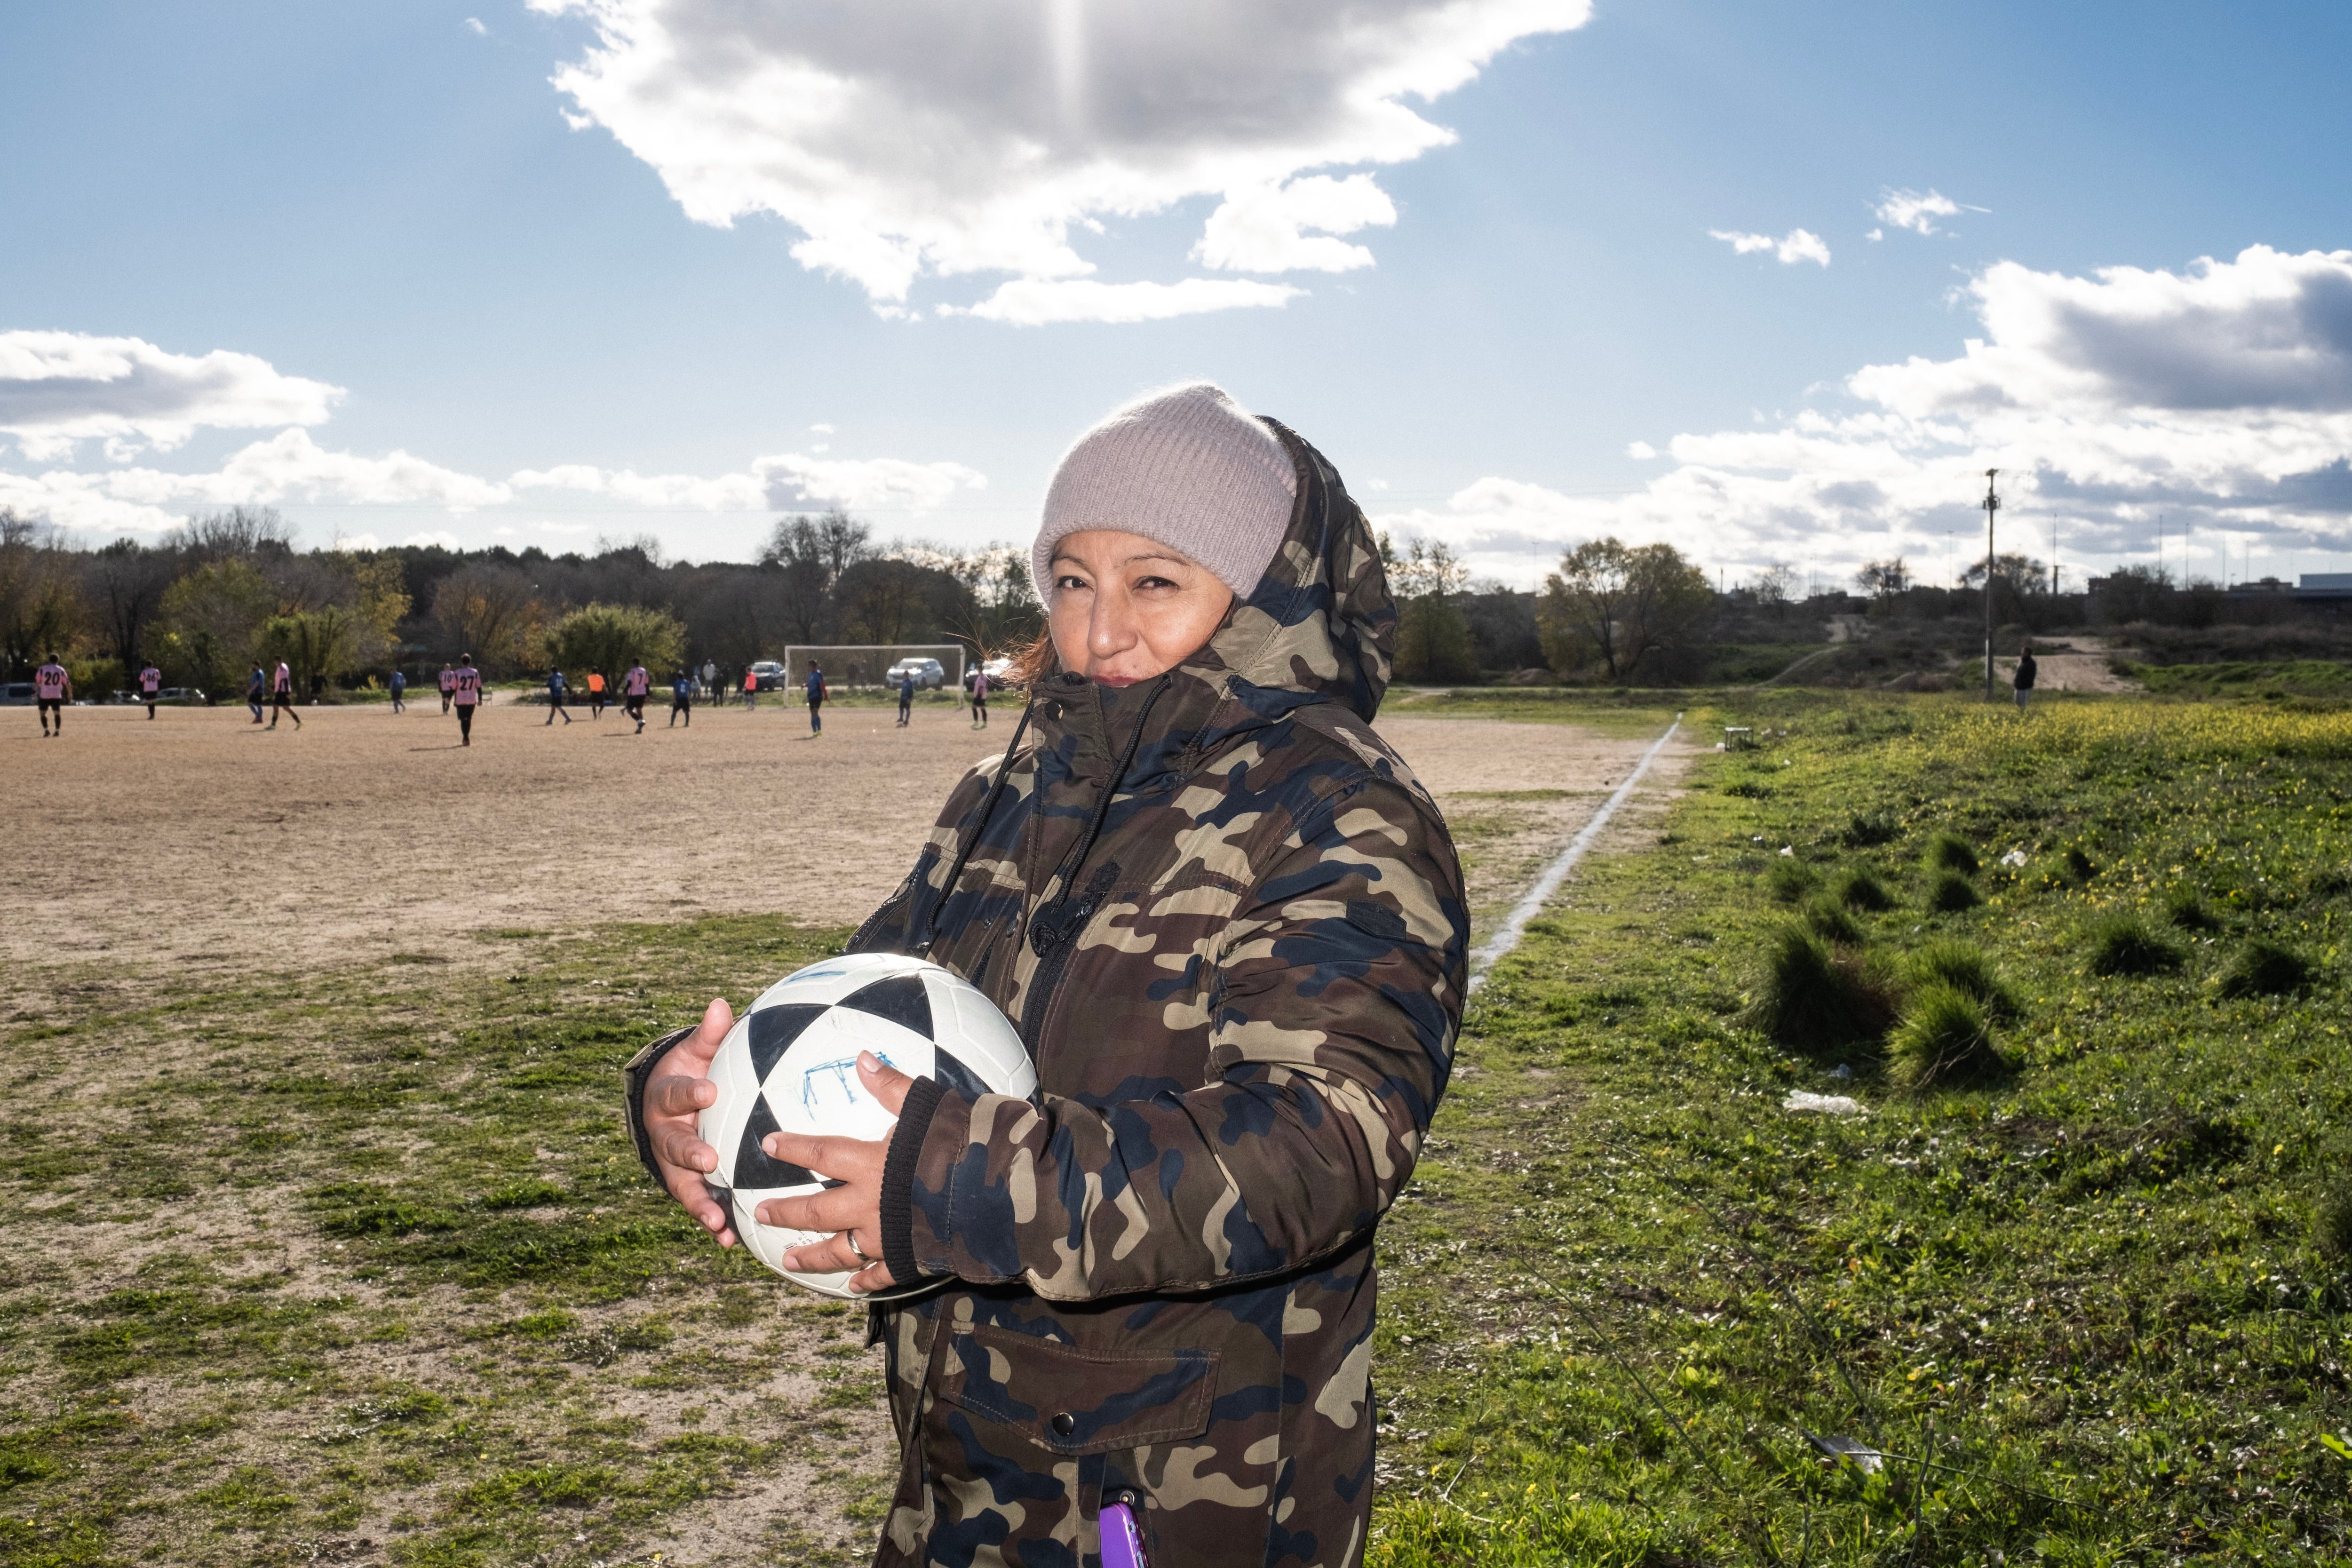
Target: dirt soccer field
{"x":199,"y":837}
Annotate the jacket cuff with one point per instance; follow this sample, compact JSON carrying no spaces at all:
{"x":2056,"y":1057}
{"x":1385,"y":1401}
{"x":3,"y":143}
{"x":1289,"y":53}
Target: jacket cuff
{"x":635,"y":1076}
{"x":899,"y":1178}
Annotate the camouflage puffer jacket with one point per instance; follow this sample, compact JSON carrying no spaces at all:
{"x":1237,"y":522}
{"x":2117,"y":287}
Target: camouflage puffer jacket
{"x":1230,"y":924}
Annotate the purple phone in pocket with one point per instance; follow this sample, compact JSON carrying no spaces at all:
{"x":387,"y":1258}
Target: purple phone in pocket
{"x":1122,"y":1542}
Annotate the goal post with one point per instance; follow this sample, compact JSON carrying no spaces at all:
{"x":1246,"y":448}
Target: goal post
{"x":848,"y":666}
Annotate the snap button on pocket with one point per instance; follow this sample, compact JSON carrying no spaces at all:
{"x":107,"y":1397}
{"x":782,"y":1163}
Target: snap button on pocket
{"x":1064,"y":1424}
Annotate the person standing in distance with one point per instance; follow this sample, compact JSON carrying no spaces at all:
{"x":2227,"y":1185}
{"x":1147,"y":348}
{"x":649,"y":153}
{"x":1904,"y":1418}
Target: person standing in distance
{"x":281,"y":696}
{"x":464,"y":695}
{"x":634,"y":687}
{"x":595,"y":694}
{"x":151,"y":681}
{"x":980,"y":698}
{"x":681,"y":699}
{"x":256,"y":685}
{"x":555,"y":696}
{"x":906,"y":697}
{"x":2023,"y":680}
{"x":750,"y":688}
{"x":1233,"y":929}
{"x":448,"y":685}
{"x":52,"y":690}
{"x":816,"y":698}
{"x":710,"y":679}
{"x":399,"y":687}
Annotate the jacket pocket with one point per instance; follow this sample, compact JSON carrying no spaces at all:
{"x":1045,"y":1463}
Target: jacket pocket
{"x":1069,"y":1400}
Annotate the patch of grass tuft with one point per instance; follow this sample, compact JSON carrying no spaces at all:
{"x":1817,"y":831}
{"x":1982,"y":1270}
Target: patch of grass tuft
{"x":1950,"y":852}
{"x":2186,"y":908}
{"x":1827,"y":919}
{"x":1859,"y":888}
{"x":2331,"y":1222}
{"x":2080,"y":865}
{"x":1813,"y":996}
{"x":1950,"y":893}
{"x":1789,"y":880}
{"x":1964,"y":967}
{"x":1943,"y":1037}
{"x":2265,"y":968}
{"x":1865,"y":829}
{"x":2122,"y":944}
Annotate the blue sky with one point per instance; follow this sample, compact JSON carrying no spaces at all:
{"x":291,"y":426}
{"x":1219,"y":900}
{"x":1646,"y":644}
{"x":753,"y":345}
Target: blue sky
{"x":407,"y":238}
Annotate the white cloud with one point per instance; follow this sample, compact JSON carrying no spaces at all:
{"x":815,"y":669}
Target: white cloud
{"x":2218,"y":397}
{"x":1914,"y":210}
{"x":358,"y":542}
{"x":441,"y":537}
{"x":786,"y":480}
{"x":60,"y":388}
{"x":945,"y":137}
{"x":474,"y":26}
{"x":1035,"y":302}
{"x":1262,"y":229}
{"x":1797,"y":245}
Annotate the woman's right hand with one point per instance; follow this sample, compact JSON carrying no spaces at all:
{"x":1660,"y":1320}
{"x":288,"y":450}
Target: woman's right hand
{"x":673,"y":1104}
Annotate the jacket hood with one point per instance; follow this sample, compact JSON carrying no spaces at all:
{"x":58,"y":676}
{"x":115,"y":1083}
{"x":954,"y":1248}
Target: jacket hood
{"x":1320,"y":625}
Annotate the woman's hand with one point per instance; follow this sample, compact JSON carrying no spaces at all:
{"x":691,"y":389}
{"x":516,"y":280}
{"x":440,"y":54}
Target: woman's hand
{"x":673,"y":1106}
{"x":853,"y":1210}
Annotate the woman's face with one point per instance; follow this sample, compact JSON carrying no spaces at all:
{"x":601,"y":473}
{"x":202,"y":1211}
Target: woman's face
{"x":1127,"y":608}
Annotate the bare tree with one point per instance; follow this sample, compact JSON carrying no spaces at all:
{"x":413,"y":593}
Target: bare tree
{"x":1883,"y":579}
{"x":123,"y":585}
{"x":490,"y":611}
{"x":1776,"y":585}
{"x":238,"y":534}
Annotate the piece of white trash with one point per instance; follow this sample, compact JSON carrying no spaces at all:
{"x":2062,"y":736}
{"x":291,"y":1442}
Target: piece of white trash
{"x":1867,"y":1459}
{"x":1788,"y":850}
{"x":1826,"y":1104}
{"x":2014,"y":857}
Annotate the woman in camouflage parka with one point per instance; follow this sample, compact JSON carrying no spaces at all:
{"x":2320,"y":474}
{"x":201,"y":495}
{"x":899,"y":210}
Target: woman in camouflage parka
{"x":1230,"y":925}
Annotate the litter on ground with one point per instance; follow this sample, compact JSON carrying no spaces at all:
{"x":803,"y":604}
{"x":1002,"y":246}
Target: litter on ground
{"x":1823,"y":1104}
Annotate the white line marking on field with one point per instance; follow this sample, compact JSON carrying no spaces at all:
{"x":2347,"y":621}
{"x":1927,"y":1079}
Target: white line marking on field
{"x":1515,"y":924}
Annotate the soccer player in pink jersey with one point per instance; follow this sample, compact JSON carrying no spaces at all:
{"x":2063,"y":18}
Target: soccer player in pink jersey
{"x":52,"y":690}
{"x":464,"y":695}
{"x":281,"y":696}
{"x":448,"y":685}
{"x":634,"y":687}
{"x":151,"y":681}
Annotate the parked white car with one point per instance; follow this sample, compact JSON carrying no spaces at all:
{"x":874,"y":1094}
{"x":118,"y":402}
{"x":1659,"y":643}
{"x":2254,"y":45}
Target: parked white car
{"x":929,"y":676}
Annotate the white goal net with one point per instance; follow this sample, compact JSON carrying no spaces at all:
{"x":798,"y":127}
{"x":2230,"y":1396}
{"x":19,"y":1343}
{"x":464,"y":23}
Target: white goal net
{"x":848,"y":666}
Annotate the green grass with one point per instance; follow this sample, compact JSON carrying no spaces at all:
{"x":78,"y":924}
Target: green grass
{"x":395,"y":1274}
{"x":2092,"y":1305}
{"x":2312,"y":677}
{"x":412,"y":1285}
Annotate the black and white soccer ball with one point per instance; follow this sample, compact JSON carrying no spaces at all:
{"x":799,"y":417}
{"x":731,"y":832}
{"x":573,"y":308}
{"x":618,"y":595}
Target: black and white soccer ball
{"x":790,"y":1065}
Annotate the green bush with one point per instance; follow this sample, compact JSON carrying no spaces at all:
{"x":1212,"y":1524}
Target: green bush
{"x":1943,"y":1037}
{"x":2078,"y":865}
{"x":1827,"y":919}
{"x":1789,"y":880}
{"x":1950,"y":893}
{"x":1865,"y":828}
{"x":2122,"y":944}
{"x":1950,"y":852}
{"x":1859,"y":890}
{"x":1965,"y":968}
{"x":1814,"y":996}
{"x":2186,"y":908}
{"x":2264,"y":968}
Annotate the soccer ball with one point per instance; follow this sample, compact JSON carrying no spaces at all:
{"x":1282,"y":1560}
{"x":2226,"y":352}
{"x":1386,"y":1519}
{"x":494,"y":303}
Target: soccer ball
{"x":790,"y":1065}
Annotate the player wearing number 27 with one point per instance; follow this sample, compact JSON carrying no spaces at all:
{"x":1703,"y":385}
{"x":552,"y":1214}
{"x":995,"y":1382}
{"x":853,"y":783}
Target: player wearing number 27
{"x":1230,"y":927}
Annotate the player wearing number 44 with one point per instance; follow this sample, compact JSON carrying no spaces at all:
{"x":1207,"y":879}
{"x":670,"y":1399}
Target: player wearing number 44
{"x":1229,"y":927}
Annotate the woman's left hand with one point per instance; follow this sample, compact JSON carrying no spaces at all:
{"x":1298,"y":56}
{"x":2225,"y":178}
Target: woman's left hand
{"x":853,"y":1211}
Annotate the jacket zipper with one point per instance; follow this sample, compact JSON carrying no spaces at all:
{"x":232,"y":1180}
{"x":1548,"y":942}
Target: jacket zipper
{"x":1055,"y":936}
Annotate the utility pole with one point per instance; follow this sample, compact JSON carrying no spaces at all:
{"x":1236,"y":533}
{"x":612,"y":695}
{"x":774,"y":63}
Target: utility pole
{"x":1991,"y":505}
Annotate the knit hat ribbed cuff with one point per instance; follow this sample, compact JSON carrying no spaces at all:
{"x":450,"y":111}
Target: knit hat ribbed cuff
{"x":1189,"y":467}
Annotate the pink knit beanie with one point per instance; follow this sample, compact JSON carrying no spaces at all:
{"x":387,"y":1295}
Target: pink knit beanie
{"x":1188,"y":467}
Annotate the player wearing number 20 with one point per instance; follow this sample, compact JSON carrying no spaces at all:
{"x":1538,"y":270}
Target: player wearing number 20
{"x":1229,"y":925}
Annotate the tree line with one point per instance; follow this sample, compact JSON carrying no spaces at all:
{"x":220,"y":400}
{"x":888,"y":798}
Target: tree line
{"x":230,"y":589}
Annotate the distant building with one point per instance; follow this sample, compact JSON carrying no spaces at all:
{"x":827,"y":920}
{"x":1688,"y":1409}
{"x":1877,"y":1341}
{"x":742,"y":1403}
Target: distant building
{"x":2263,"y":585}
{"x":2329,"y":590}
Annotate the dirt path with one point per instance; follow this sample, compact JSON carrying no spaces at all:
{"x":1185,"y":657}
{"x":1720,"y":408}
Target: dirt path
{"x":197,"y":838}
